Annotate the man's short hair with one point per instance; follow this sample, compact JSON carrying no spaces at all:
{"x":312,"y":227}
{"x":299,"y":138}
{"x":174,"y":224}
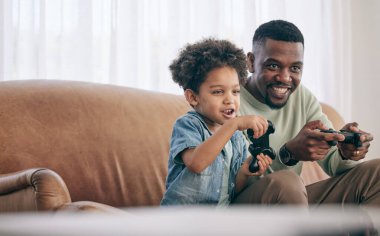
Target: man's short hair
{"x":278,"y":30}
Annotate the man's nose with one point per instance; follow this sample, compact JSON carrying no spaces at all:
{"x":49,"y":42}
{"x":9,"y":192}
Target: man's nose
{"x":284,"y":76}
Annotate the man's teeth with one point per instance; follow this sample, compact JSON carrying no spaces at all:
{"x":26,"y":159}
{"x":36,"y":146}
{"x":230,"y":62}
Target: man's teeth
{"x":280,"y":90}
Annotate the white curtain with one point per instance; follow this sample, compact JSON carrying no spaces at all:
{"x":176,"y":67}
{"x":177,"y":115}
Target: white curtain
{"x":132,"y":42}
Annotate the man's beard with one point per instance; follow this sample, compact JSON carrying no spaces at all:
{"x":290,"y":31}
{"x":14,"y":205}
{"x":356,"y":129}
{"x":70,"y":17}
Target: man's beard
{"x":274,"y":106}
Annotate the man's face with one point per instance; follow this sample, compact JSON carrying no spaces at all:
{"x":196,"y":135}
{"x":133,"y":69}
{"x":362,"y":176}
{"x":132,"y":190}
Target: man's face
{"x":276,"y":68}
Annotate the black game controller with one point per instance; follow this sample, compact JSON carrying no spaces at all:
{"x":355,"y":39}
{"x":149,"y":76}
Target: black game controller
{"x":350,"y":137}
{"x":260,"y":145}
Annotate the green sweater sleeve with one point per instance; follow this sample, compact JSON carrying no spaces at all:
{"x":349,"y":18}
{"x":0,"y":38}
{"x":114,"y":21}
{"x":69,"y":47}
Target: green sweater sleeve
{"x":333,"y":164}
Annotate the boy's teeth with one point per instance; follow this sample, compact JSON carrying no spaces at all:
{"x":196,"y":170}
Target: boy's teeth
{"x":229,"y":111}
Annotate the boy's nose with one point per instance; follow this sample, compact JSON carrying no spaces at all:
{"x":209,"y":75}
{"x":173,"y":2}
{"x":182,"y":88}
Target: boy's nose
{"x":228,"y":99}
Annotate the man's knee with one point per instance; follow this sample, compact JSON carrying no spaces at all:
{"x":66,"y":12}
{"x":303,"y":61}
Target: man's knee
{"x":281,"y":187}
{"x":366,"y":178}
{"x":285,"y":187}
{"x":369,"y":167}
{"x":284,"y":177}
{"x":372,"y":164}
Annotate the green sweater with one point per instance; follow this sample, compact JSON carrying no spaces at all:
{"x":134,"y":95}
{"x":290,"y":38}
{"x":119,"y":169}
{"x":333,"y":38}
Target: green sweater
{"x":301,"y":108}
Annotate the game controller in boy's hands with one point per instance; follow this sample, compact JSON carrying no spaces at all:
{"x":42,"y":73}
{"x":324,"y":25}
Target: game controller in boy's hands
{"x":350,"y":137}
{"x":260,"y":145}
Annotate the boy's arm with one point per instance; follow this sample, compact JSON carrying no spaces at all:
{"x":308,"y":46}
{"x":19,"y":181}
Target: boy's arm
{"x":199,"y":158}
{"x":241,"y":178}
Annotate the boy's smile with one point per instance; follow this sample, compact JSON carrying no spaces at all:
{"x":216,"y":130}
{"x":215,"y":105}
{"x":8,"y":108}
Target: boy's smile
{"x":219,"y":97}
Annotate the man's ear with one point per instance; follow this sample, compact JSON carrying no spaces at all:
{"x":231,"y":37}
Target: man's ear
{"x":251,"y":62}
{"x":191,"y":97}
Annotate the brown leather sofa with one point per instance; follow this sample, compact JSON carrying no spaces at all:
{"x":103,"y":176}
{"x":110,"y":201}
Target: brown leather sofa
{"x":68,"y":145}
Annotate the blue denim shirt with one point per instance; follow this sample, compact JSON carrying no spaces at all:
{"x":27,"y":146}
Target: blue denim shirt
{"x":186,"y":187}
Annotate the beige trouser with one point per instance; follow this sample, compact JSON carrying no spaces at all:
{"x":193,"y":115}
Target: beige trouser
{"x":360,"y":185}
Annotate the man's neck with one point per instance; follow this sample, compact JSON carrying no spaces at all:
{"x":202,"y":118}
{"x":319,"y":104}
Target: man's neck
{"x":251,"y":87}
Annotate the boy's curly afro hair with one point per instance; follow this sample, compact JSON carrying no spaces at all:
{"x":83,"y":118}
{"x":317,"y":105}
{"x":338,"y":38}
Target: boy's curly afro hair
{"x":196,"y":60}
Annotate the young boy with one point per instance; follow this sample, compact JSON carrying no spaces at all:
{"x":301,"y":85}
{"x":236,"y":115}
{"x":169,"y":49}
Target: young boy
{"x":208,"y":161}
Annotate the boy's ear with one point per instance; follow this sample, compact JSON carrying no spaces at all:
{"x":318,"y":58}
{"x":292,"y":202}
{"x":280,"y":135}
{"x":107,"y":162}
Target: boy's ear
{"x":191,"y":97}
{"x":251,"y":62}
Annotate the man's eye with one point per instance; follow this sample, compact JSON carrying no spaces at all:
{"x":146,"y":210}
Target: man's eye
{"x":272,"y":67}
{"x":296,"y":69}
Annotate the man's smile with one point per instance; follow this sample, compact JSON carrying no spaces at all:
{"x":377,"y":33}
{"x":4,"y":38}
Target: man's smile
{"x":279,"y":91}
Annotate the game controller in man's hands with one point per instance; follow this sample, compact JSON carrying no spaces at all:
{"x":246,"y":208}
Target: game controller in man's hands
{"x":260,"y":145}
{"x":350,"y":137}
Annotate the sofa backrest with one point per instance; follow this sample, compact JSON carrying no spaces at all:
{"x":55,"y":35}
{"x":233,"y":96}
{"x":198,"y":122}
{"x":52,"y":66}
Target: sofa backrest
{"x":110,"y":144}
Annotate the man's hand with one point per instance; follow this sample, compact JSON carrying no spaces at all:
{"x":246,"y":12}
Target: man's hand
{"x":349,"y":151}
{"x":310,"y":144}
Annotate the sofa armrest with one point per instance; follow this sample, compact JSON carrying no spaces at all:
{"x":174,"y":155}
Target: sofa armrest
{"x":32,"y":189}
{"x":90,"y":207}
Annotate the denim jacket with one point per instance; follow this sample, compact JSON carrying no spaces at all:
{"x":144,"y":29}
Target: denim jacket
{"x":186,"y":187}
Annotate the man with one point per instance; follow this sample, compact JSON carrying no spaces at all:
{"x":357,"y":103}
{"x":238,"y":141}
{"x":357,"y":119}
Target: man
{"x":274,"y":91}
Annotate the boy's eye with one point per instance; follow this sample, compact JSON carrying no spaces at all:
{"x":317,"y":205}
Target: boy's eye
{"x":236,"y":91}
{"x":217,"y":92}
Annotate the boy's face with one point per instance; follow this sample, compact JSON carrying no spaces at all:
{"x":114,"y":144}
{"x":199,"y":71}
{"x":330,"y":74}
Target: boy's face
{"x":219,"y":97}
{"x":276,"y":68}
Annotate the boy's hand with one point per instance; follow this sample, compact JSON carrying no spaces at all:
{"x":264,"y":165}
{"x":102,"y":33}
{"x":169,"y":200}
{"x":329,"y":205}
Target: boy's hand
{"x":258,"y":124}
{"x":264,"y":162}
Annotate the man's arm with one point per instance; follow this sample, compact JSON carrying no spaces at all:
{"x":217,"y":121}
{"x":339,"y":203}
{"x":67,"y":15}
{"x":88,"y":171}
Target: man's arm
{"x":310,"y":144}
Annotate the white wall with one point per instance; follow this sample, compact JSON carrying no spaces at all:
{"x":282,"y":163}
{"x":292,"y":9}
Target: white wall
{"x":365,"y":69}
